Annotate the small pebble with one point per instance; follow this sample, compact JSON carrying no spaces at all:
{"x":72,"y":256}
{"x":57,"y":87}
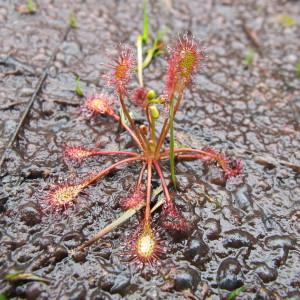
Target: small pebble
{"x":197,"y":252}
{"x":266,"y":273}
{"x":213,"y":229}
{"x":72,"y":239}
{"x":121,"y":282}
{"x":237,"y":238}
{"x":186,"y":279}
{"x":30,"y":214}
{"x":229,"y":275}
{"x":26,"y":92}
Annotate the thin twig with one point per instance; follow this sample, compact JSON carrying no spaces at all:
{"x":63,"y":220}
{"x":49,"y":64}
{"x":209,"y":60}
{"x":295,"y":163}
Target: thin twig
{"x":10,"y":105}
{"x":124,"y":217}
{"x":119,"y":221}
{"x":24,"y":116}
{"x":33,"y":98}
{"x":252,"y":36}
{"x":66,"y":102}
{"x":20,"y":66}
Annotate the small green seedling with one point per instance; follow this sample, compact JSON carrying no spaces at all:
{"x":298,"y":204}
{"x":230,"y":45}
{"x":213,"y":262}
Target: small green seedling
{"x":73,"y":20}
{"x":298,"y":68}
{"x":78,"y":89}
{"x":31,"y":6}
{"x":235,"y":293}
{"x":249,"y":57}
{"x":287,"y":21}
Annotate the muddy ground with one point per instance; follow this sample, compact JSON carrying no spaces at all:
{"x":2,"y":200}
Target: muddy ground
{"x":250,"y":111}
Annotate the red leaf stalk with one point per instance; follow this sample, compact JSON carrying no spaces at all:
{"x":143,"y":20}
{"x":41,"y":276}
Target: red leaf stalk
{"x":148,"y":195}
{"x":79,"y":153}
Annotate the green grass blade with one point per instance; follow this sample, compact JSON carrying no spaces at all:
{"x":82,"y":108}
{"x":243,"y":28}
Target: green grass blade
{"x":154,"y":51}
{"x":172,"y":143}
{"x":139,"y":45}
{"x":122,"y":219}
{"x":73,"y":20}
{"x":145,"y":23}
{"x":287,"y":21}
{"x":249,"y":57}
{"x":298,"y":68}
{"x":19,"y":276}
{"x":31,"y":6}
{"x":78,"y":89}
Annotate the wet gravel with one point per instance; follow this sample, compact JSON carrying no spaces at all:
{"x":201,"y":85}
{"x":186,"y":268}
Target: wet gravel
{"x":249,"y":238}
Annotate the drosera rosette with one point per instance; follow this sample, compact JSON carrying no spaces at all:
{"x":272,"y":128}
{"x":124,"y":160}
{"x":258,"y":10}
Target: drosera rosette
{"x":184,"y":60}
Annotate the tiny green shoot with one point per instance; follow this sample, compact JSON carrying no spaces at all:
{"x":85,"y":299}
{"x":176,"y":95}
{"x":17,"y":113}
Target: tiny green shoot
{"x":142,"y":39}
{"x":249,"y":57}
{"x":179,"y":145}
{"x":73,"y":20}
{"x":298,"y":68}
{"x":31,"y":6}
{"x":236,"y":293}
{"x":139,"y":45}
{"x":154,"y":50}
{"x":287,"y":21}
{"x":217,"y":203}
{"x":78,"y":89}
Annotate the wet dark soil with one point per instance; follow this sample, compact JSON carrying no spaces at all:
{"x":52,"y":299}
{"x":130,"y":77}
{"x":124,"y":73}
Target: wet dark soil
{"x":251,"y":112}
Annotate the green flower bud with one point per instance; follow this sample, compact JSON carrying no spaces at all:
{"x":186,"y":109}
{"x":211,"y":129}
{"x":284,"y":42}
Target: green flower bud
{"x":151,"y":94}
{"x":154,"y":112}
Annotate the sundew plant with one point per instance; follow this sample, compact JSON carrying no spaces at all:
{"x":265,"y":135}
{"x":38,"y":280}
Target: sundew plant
{"x":184,"y":59}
